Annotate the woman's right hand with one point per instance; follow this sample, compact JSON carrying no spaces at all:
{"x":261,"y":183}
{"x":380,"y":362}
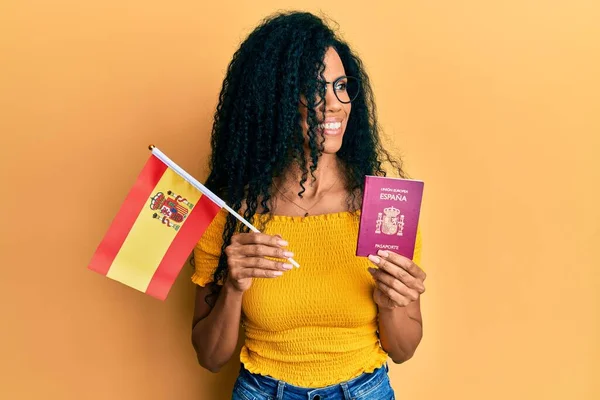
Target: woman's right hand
{"x":246,"y":258}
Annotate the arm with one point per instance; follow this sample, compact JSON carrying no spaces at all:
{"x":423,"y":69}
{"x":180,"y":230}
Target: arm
{"x":400,"y":331}
{"x":399,"y":285}
{"x":215,"y":331}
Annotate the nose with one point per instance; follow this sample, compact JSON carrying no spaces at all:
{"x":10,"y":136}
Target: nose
{"x":332,"y":103}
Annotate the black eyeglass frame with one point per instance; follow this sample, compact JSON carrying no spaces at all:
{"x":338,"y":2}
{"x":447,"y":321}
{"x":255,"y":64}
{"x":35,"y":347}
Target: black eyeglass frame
{"x":333,"y":85}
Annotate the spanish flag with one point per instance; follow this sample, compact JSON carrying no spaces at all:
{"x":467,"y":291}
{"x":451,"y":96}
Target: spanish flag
{"x":162,"y":218}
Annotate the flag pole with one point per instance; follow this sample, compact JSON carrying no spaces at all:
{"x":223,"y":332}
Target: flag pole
{"x":181,"y":172}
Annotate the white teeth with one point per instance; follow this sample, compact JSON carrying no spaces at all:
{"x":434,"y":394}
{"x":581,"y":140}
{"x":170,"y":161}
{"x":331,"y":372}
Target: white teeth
{"x":331,"y":125}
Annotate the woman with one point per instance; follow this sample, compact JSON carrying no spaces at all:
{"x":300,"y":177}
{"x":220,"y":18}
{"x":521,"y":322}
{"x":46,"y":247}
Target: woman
{"x":294,"y":135}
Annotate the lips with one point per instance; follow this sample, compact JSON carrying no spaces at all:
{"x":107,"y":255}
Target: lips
{"x":331,"y":127}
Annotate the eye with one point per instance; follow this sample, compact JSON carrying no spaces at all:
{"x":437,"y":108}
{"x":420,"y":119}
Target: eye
{"x":341,"y":85}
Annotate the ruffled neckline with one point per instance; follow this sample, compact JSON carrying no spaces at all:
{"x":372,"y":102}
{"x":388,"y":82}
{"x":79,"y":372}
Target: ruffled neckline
{"x":310,"y":218}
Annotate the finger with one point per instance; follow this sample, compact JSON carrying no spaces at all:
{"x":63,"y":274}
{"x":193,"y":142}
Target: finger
{"x":259,"y":238}
{"x":257,"y":273}
{"x":406,"y":263}
{"x":394,"y":296}
{"x":382,"y":299}
{"x":393,"y":283}
{"x":263,"y":263}
{"x":398,"y":273}
{"x":261,"y":250}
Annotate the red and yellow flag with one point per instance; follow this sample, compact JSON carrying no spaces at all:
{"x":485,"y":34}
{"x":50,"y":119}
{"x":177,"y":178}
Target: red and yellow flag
{"x":155,"y":230}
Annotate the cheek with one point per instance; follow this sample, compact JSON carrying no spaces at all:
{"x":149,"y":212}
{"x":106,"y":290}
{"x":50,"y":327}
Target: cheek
{"x":347,"y":109}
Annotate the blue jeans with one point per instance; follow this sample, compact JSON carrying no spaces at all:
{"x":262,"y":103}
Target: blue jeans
{"x":373,"y":386}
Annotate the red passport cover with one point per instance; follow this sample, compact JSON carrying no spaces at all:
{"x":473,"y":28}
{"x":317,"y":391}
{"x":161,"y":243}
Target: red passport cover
{"x":389,"y":215}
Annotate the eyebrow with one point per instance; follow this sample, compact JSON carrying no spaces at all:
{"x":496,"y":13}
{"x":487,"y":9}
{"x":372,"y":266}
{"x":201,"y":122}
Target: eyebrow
{"x":341,"y":76}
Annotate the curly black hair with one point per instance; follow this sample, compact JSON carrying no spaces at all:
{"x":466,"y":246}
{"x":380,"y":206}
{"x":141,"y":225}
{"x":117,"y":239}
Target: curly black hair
{"x":257,"y":134}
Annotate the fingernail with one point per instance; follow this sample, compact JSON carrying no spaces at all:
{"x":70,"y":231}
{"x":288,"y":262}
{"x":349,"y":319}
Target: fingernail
{"x":374,"y":259}
{"x":277,"y":273}
{"x":287,"y":266}
{"x":282,"y":242}
{"x":372,"y":270}
{"x":383,"y":253}
{"x":288,"y":254}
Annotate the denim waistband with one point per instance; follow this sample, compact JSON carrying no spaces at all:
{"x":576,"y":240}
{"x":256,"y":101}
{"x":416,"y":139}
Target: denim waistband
{"x":366,"y":386}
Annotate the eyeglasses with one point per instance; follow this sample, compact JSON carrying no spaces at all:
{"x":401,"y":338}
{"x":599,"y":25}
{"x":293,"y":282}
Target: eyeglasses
{"x":345,"y":88}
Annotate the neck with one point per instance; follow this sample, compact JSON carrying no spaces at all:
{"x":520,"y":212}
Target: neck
{"x":328,"y":173}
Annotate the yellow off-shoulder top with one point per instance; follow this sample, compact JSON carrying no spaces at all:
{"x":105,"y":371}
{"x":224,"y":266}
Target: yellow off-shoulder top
{"x":316,"y":325}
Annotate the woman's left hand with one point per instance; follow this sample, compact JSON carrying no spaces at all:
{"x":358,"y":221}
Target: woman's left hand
{"x":399,"y":280}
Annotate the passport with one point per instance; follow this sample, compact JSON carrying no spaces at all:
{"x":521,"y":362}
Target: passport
{"x":389,"y":215}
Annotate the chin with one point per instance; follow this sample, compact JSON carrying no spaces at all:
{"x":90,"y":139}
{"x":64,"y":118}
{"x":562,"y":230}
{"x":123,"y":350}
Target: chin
{"x":331,"y":148}
{"x":333,"y":141}
{"x":333,"y":144}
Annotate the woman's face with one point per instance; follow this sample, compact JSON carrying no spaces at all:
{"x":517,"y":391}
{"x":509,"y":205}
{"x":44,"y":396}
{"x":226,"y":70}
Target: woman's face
{"x":332,"y":124}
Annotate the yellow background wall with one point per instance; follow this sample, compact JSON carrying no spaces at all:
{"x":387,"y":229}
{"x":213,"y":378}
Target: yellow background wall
{"x":494,"y":104}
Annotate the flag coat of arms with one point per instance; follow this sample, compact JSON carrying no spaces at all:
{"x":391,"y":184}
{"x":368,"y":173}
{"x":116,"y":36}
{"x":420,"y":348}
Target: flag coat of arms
{"x":162,"y":218}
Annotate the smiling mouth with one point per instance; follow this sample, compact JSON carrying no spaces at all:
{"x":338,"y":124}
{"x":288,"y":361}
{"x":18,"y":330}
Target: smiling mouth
{"x":331,"y":128}
{"x":331,"y":125}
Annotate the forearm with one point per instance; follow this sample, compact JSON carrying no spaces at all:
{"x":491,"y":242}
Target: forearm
{"x":400,"y":332}
{"x":215,"y":337}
